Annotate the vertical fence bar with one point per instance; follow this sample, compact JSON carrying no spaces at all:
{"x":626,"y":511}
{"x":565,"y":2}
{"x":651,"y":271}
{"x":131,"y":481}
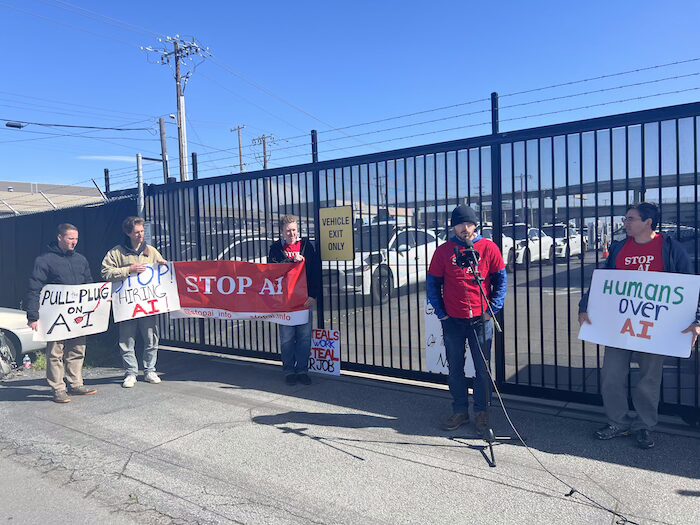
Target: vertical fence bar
{"x":497,"y":228}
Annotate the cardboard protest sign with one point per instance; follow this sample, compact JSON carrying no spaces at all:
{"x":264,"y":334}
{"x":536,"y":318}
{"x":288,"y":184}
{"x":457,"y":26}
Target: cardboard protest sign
{"x":243,"y":290}
{"x":642,"y":311}
{"x":69,"y":311}
{"x":151,"y":292}
{"x":435,"y":355}
{"x":325,"y":352}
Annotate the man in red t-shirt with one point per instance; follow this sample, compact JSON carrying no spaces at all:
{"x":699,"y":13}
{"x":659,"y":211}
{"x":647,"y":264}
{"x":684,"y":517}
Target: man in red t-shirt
{"x":454,"y":293}
{"x":642,"y":250}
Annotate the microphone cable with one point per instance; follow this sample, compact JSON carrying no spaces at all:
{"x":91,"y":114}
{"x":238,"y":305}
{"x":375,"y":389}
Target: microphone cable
{"x":621,"y":519}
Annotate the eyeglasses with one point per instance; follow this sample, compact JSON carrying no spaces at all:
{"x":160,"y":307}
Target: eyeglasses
{"x":631,"y":219}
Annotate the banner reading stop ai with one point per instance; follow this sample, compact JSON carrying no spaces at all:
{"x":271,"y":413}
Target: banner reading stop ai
{"x":243,"y":290}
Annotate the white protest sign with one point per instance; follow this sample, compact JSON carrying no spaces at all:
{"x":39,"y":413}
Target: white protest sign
{"x":642,"y":311}
{"x":69,"y":311}
{"x":325,"y":352}
{"x":435,"y":355}
{"x":151,"y":292}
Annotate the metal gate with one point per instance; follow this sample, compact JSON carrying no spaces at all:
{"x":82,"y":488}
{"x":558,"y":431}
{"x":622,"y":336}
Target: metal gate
{"x":551,"y":198}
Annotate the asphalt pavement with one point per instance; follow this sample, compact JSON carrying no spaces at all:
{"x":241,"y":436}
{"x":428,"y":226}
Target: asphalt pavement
{"x":227,"y":441}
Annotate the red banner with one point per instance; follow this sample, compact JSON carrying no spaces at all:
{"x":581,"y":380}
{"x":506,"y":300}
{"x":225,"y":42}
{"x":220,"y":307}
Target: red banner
{"x":242,"y":290}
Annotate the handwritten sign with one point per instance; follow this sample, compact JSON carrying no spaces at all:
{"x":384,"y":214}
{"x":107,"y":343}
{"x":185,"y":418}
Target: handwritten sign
{"x":325,"y":352}
{"x":69,"y":311}
{"x":151,"y":292}
{"x":642,"y":311}
{"x":435,"y":355}
{"x":337,"y":238}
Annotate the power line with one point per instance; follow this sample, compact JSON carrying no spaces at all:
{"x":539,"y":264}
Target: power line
{"x":601,"y":77}
{"x":55,"y":21}
{"x":98,"y":16}
{"x":603,"y":90}
{"x":24,"y":122}
{"x":543,"y":88}
{"x":602,"y":104}
{"x":127,"y":113}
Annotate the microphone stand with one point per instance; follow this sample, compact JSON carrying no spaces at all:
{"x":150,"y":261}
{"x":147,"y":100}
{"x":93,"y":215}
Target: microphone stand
{"x":473,"y":262}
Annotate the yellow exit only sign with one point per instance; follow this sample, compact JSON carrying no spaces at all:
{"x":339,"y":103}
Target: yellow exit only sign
{"x":337,"y":239}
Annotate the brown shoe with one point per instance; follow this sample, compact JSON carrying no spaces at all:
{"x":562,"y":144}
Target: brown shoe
{"x":83,"y":390}
{"x":481,"y":422}
{"x":455,"y":421}
{"x":61,"y":396}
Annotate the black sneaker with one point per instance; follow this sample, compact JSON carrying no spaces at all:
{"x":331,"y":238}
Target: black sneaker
{"x":644,"y":439}
{"x":455,"y":421}
{"x":611,"y":431}
{"x":290,"y":379}
{"x":304,"y":379}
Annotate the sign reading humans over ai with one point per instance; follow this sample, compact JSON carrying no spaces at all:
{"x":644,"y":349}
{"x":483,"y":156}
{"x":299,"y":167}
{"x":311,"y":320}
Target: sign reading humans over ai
{"x":69,"y":311}
{"x":151,"y":292}
{"x":325,"y":352}
{"x":642,"y":311}
{"x":337,"y":239}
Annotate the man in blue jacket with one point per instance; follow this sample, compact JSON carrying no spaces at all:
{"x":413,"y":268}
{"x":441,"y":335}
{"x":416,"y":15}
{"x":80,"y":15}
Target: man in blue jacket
{"x":61,"y":264}
{"x":454,"y":293}
{"x":642,"y":250}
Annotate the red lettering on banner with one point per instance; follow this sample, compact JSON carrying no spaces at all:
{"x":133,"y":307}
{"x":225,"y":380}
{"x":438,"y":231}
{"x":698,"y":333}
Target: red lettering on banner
{"x":138,"y":309}
{"x":627,"y":328}
{"x":645,"y":329}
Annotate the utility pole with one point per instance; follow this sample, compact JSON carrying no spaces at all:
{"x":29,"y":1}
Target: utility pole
{"x":267,"y":203}
{"x":241,"y":165}
{"x":164,"y":151}
{"x":140,"y":200}
{"x":263,"y":139}
{"x":182,"y":50}
{"x":522,"y":195}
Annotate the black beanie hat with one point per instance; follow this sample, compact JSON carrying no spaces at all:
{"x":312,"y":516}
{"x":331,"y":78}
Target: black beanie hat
{"x":463,"y":213}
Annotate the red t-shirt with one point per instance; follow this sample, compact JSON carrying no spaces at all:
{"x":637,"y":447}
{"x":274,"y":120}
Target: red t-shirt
{"x":290,"y":250}
{"x":460,"y":290}
{"x":646,"y":257}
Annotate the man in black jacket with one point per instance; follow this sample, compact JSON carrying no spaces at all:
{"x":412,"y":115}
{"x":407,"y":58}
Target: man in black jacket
{"x":61,"y":264}
{"x":295,"y":341}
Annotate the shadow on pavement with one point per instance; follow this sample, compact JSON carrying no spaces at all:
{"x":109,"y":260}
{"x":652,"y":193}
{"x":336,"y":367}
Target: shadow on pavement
{"x":418,"y":412}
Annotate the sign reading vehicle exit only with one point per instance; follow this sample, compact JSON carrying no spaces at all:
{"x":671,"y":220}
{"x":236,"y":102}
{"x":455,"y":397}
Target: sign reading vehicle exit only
{"x":337,"y":239}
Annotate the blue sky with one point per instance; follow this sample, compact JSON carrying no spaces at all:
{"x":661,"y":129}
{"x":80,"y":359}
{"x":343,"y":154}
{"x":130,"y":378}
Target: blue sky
{"x":284,"y":68}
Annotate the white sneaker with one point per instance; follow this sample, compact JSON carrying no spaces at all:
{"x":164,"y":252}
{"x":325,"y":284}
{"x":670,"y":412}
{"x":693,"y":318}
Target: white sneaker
{"x":151,"y":377}
{"x":129,"y":381}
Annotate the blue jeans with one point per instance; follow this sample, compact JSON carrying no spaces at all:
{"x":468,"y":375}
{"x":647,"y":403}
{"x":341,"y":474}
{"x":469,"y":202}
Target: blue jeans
{"x":295,"y":344}
{"x":148,"y":328}
{"x":479,"y":334}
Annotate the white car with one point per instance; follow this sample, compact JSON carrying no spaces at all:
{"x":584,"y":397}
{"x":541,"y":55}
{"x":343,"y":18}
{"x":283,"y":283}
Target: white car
{"x":531,"y":244}
{"x":18,"y":335}
{"x":507,"y":246}
{"x":386,"y":258}
{"x":567,"y":240}
{"x":248,"y":249}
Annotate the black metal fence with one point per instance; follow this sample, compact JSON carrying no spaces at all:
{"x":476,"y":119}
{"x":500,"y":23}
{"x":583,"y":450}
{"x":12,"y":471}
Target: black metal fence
{"x":552,"y":198}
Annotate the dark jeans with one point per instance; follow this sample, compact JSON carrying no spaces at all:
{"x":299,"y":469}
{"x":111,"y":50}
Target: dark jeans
{"x":295,"y":347}
{"x":479,"y":334}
